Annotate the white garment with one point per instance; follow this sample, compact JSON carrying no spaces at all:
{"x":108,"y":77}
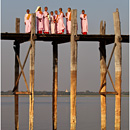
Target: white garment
{"x":68,"y":23}
{"x":45,"y":21}
{"x":61,"y":25}
{"x":39,"y":22}
{"x":28,"y":24}
{"x":52,"y":25}
{"x":56,"y":24}
{"x":84,"y":23}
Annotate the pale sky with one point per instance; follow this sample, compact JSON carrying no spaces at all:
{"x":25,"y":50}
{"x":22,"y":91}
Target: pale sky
{"x":88,"y":53}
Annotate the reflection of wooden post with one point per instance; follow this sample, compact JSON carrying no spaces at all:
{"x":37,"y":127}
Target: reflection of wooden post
{"x":55,"y":85}
{"x":73,"y":70}
{"x":102,"y":73}
{"x":17,"y":29}
{"x":117,"y":70}
{"x":32,"y":70}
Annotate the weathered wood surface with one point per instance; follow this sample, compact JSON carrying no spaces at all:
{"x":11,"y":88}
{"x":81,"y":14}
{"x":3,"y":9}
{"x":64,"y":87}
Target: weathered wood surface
{"x":102,"y":73}
{"x":118,"y":69}
{"x":16,"y":98}
{"x":15,"y":87}
{"x":62,"y":38}
{"x":23,"y":93}
{"x":32,"y":71}
{"x":55,"y":85}
{"x":73,"y":68}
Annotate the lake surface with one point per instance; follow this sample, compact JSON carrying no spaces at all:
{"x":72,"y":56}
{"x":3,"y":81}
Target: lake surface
{"x":88,"y":113}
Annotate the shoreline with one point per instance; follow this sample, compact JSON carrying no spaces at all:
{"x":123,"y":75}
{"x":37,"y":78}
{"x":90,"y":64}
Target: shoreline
{"x":62,"y":95}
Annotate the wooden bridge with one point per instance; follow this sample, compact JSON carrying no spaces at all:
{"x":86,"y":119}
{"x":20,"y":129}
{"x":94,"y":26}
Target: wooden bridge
{"x":56,"y":39}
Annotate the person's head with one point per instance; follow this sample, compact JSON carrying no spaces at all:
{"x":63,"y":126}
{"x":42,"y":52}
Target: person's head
{"x":39,"y":9}
{"x":56,"y":12}
{"x":51,"y":12}
{"x":46,"y":8}
{"x":27,"y":11}
{"x":83,"y":11}
{"x":69,"y":9}
{"x":60,"y":9}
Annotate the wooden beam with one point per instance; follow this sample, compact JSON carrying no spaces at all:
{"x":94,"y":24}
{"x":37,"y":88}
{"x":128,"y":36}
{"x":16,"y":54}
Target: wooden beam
{"x":73,"y":67}
{"x":63,"y":38}
{"x":104,"y":77}
{"x":118,"y":69}
{"x":107,"y":67}
{"x":102,"y":73}
{"x":55,"y":85}
{"x":15,"y":87}
{"x":16,"y":98}
{"x":23,"y":93}
{"x":32,"y":70}
{"x":22,"y":72}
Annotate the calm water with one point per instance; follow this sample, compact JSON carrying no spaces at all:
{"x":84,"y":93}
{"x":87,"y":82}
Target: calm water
{"x":88,"y":113}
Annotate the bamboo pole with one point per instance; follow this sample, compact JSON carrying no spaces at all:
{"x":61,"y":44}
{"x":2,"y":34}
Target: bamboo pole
{"x":102,"y":73}
{"x":32,"y":70}
{"x":55,"y":85}
{"x":16,"y":97}
{"x":118,"y":69}
{"x":73,"y":70}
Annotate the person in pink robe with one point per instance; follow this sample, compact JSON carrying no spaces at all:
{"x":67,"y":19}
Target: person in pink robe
{"x":68,"y":21}
{"x":46,"y":21}
{"x":52,"y":23}
{"x":84,"y":23}
{"x":56,"y":20}
{"x":27,"y":21}
{"x":61,"y":25}
{"x":39,"y":16}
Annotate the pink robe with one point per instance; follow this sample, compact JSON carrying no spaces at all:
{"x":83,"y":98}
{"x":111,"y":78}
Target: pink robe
{"x":45,"y":21}
{"x":56,"y":24}
{"x":28,"y":24}
{"x":68,"y":23}
{"x":84,"y":23}
{"x":61,"y":25}
{"x":52,"y":25}
{"x":39,"y":23}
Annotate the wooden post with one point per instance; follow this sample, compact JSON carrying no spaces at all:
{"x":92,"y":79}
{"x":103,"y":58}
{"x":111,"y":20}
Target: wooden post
{"x":32,"y":70}
{"x":102,"y":73}
{"x":55,"y":85}
{"x":73,"y":70}
{"x":118,"y":69}
{"x":17,"y":46}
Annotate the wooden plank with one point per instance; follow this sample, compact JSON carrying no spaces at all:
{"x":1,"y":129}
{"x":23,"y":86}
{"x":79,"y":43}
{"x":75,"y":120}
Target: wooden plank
{"x":32,"y":71}
{"x":16,"y":98}
{"x":73,"y":67}
{"x":112,"y":93}
{"x":118,"y":69}
{"x":15,"y":87}
{"x":102,"y":73}
{"x":55,"y":85}
{"x":105,"y":75}
{"x":23,"y":93}
{"x":107,"y":68}
{"x":23,"y":73}
{"x":63,"y":38}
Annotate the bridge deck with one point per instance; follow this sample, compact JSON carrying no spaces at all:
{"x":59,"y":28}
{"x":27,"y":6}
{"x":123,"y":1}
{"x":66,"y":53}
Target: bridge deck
{"x":61,"y":38}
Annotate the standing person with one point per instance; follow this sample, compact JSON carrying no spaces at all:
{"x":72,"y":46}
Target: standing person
{"x":52,"y":23}
{"x":68,"y":21}
{"x":61,"y":25}
{"x":39,"y":16}
{"x":27,"y":21}
{"x":46,"y":21}
{"x":56,"y":20}
{"x":84,"y":23}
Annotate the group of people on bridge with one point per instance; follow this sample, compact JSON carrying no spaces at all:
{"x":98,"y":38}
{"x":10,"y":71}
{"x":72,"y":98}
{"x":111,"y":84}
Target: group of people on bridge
{"x":54,"y":23}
